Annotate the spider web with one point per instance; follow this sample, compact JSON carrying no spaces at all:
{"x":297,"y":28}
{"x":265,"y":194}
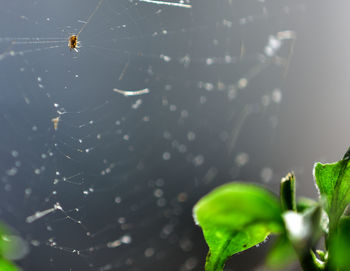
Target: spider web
{"x":111,"y":187}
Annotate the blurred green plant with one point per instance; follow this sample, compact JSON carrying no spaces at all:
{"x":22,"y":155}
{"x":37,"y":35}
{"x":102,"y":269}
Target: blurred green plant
{"x":237,"y":216}
{"x":8,"y":247}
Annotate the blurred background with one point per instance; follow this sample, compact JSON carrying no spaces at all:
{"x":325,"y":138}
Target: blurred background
{"x":237,"y":90}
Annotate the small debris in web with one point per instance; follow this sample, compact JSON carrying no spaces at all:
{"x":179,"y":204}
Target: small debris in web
{"x":132,"y":93}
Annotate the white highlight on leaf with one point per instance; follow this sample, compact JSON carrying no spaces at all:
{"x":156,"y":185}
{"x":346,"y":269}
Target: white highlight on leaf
{"x":296,"y":225}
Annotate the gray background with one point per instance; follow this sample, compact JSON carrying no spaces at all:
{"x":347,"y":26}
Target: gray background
{"x":157,"y":195}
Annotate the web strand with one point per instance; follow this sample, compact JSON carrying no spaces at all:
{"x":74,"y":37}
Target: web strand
{"x":90,"y":17}
{"x":167,"y":3}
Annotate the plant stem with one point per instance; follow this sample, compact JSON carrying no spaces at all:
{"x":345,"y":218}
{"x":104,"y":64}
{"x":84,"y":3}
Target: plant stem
{"x":307,"y":261}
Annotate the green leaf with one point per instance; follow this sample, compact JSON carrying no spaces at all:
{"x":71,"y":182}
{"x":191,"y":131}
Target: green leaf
{"x":305,"y":203}
{"x":13,"y":247}
{"x":340,"y":246}
{"x":4,"y":244}
{"x":235,"y":217}
{"x":333,"y":181}
{"x":281,"y":254}
{"x":287,"y":193}
{"x":9,"y":246}
{"x":303,"y":229}
{"x":7,"y":266}
{"x":323,"y":255}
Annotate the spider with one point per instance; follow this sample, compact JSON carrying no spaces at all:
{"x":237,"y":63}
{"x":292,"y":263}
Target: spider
{"x":73,"y":43}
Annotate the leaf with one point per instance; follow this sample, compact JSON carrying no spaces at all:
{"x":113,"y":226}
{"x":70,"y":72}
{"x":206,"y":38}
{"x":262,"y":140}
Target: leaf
{"x":323,"y":255}
{"x":7,"y":266}
{"x":14,"y":247}
{"x":4,"y":244}
{"x":333,"y":181}
{"x":287,"y":193}
{"x":6,"y":248}
{"x":305,"y":203}
{"x":340,"y":246}
{"x":303,"y":229}
{"x":235,"y":217}
{"x":281,"y":254}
